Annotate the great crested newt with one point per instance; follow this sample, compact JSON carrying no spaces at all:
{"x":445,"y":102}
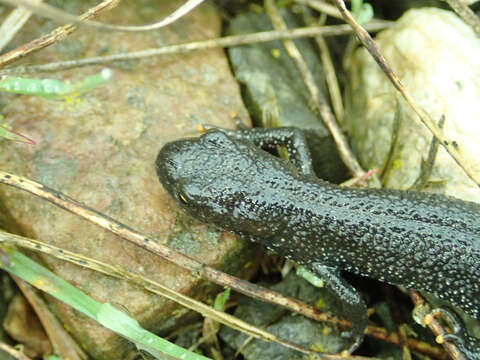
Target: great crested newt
{"x":422,"y":241}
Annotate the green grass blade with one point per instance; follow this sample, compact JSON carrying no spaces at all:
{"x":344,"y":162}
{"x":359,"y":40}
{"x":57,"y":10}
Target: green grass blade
{"x":105,"y":314}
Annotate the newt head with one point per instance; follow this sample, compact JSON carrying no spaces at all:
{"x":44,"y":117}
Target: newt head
{"x":198,"y":161}
{"x":209,"y":177}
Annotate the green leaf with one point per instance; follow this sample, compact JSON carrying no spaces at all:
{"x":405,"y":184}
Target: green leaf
{"x":9,"y":134}
{"x":52,"y":88}
{"x":363,"y":12}
{"x":221,"y":299}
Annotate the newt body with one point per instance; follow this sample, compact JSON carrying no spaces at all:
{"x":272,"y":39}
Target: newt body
{"x":421,"y":241}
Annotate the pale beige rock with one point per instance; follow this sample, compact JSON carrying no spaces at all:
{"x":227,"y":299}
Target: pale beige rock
{"x":437,"y":57}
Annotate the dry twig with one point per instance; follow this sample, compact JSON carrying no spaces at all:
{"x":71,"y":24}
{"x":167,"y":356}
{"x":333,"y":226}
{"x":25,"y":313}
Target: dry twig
{"x":53,"y":13}
{"x":322,"y":6}
{"x":227,"y":41}
{"x":330,"y":74}
{"x":56,"y":35}
{"x":435,"y":326}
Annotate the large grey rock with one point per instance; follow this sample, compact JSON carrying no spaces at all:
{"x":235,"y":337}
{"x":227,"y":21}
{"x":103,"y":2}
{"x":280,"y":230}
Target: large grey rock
{"x":100,"y":149}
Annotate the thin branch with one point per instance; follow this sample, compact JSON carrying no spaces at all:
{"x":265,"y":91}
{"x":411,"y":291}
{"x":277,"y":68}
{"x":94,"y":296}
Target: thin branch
{"x":434,"y":325}
{"x":58,"y":15}
{"x":329,"y":69}
{"x":322,"y":6}
{"x":449,"y":144}
{"x":54,"y":36}
{"x":227,"y":41}
{"x":394,"y":338}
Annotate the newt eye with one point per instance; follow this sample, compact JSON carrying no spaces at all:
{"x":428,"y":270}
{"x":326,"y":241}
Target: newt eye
{"x":182,"y":198}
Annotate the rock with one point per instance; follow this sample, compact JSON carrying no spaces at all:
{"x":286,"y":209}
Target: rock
{"x":292,"y":327}
{"x":270,"y":76}
{"x":100,"y":149}
{"x":437,"y":57}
